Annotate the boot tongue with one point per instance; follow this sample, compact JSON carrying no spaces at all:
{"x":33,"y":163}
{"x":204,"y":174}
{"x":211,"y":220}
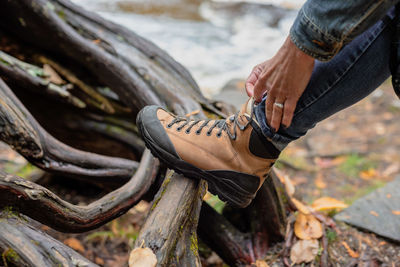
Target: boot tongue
{"x":246,"y":109}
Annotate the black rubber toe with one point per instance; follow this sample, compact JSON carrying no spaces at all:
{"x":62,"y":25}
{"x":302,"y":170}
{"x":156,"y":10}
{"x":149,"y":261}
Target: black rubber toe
{"x":147,"y":119}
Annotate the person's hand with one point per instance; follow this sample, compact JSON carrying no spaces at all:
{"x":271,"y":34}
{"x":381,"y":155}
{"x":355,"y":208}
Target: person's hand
{"x":283,"y":78}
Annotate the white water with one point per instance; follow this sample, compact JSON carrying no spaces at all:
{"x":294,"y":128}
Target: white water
{"x":221,"y":43}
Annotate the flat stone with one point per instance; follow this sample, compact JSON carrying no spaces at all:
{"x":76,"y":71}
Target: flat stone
{"x":378,"y":212}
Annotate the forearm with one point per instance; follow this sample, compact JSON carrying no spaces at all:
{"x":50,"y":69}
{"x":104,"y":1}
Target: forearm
{"x":323,"y":27}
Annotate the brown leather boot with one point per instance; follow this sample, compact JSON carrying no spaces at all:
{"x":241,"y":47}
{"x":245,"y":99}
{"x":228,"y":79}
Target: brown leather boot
{"x":232,"y":155}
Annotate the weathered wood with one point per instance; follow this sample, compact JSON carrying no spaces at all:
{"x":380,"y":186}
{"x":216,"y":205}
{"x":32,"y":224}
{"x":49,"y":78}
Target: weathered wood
{"x":21,"y":131}
{"x":23,"y":245}
{"x":44,"y":206}
{"x":170,"y":227}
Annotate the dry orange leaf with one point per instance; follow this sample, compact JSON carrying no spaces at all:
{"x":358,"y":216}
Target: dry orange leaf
{"x":290,"y":189}
{"x":351,"y":252}
{"x":260,"y":263}
{"x":368,"y":174}
{"x":319,"y":181}
{"x":74,"y":244}
{"x":328,"y":203}
{"x":300,"y":206}
{"x":307,"y":227}
{"x":396,"y":212}
{"x":374,"y":213}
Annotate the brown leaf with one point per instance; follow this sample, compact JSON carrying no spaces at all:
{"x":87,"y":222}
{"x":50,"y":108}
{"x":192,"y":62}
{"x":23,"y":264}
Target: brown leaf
{"x":319,"y":181}
{"x":351,"y":252}
{"x":142,"y":257}
{"x":99,"y":261}
{"x":307,"y":227}
{"x":260,"y":263}
{"x":374,"y":213}
{"x":396,"y":212}
{"x":52,"y":75}
{"x":328,"y":203}
{"x":368,"y":174}
{"x":74,"y":244}
{"x":300,"y":206}
{"x":304,"y":251}
{"x":290,"y":189}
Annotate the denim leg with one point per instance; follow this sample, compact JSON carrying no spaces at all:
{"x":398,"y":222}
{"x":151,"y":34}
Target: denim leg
{"x":350,"y":76}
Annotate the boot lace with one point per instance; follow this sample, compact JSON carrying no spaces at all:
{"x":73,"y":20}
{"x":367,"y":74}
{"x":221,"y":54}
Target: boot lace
{"x":222,"y":125}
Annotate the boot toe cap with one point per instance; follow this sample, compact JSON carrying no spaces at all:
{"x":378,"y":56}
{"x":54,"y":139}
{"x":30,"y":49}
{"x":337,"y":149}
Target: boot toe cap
{"x":152,"y":130}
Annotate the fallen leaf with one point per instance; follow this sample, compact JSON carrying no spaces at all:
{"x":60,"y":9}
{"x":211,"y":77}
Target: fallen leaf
{"x":319,"y":181}
{"x":382,"y":243}
{"x":307,"y":227}
{"x":300,"y":206}
{"x":304,"y":251}
{"x":74,"y":244}
{"x":328,"y":203}
{"x":290,"y":189}
{"x":97,"y":41}
{"x":142,"y":257}
{"x":388,"y":195}
{"x":368,"y":174}
{"x":52,"y":75}
{"x":351,"y":252}
{"x":374,"y":213}
{"x":260,"y":263}
{"x":99,"y":261}
{"x":396,"y":212}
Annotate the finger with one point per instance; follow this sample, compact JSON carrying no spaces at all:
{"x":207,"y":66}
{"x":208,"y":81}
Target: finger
{"x":261,"y":85}
{"x":269,"y":108}
{"x":289,"y":108}
{"x":252,"y":79}
{"x":277,"y":113}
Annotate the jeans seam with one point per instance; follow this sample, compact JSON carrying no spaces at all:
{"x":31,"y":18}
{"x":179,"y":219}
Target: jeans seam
{"x":344,"y":73}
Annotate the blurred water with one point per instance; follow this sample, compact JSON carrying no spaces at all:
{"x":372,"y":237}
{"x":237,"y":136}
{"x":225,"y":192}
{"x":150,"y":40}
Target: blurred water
{"x":216,"y":40}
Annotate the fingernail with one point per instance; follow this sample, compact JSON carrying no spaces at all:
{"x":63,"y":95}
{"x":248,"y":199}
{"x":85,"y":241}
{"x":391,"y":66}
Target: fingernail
{"x":273,"y":131}
{"x":284,"y":126}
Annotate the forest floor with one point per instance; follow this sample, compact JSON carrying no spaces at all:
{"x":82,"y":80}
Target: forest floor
{"x":345,"y":157}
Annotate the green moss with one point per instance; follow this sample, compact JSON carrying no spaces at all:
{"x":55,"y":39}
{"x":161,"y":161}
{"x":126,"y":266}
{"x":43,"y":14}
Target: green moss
{"x":354,"y":164}
{"x":26,"y":170}
{"x":167,"y":180}
{"x":194,"y":247}
{"x":10,"y":255}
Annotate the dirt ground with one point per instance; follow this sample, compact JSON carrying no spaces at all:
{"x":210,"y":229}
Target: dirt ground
{"x":345,"y":157}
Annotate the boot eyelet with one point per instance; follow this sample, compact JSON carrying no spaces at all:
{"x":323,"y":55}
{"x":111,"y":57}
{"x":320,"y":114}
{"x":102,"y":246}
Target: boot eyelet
{"x":187,"y":132}
{"x":219,"y":135}
{"x":198,"y":132}
{"x":178,"y":129}
{"x":208,"y":134}
{"x":169,"y":125}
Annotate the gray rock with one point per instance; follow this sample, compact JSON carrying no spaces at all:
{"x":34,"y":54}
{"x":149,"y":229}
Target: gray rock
{"x":233,"y":93}
{"x":378,"y":212}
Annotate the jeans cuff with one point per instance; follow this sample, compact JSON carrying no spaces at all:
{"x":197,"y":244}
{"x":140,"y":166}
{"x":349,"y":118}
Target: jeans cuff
{"x":276,"y":138}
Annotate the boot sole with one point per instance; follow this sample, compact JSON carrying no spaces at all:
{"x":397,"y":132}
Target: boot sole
{"x":225,"y":187}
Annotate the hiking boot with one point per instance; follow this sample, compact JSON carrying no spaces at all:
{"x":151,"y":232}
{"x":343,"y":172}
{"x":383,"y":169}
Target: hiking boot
{"x":232,"y":155}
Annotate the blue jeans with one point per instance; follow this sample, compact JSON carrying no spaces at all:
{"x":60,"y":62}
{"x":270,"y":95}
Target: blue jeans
{"x":357,"y":70}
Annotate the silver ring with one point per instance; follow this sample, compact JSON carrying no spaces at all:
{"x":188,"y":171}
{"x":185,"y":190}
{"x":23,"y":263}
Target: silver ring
{"x":279,"y":105}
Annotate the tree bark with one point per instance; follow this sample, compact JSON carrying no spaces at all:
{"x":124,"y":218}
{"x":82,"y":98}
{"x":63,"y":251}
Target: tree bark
{"x":24,"y":245}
